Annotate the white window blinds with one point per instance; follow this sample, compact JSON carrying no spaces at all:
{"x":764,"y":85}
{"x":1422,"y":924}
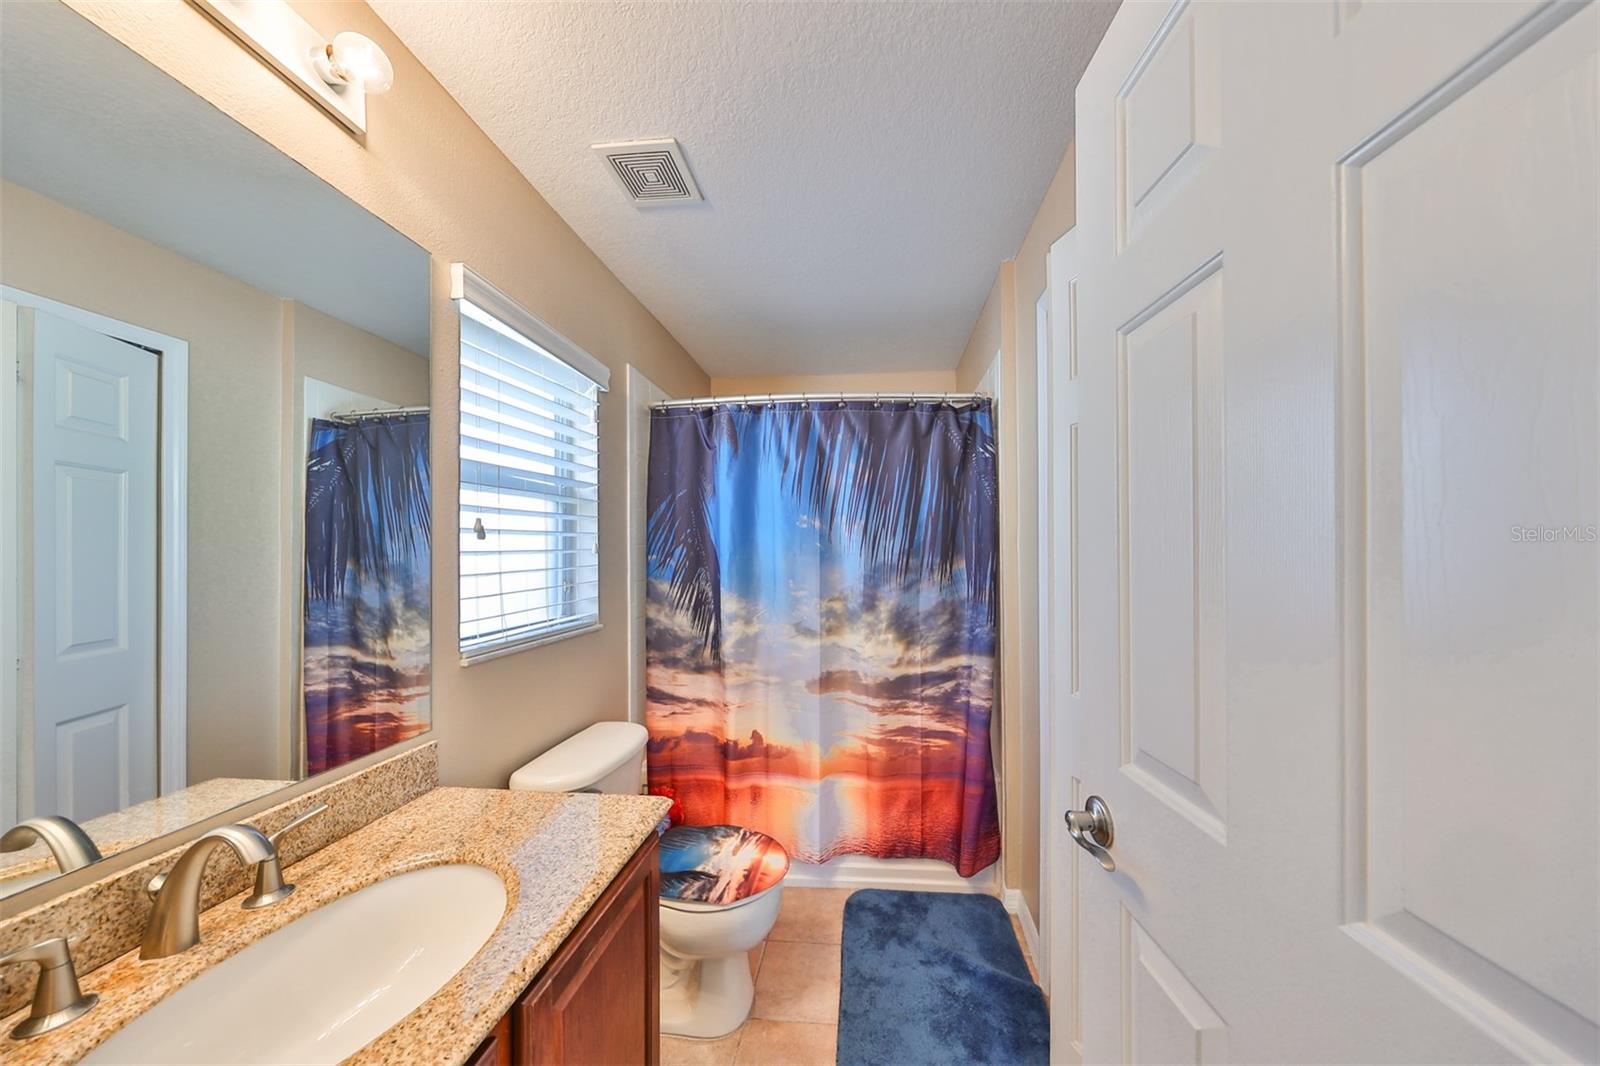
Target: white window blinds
{"x":530,"y":568}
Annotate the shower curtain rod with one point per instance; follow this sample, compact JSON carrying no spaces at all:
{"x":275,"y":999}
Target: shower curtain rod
{"x":376,"y":412}
{"x":954,"y":398}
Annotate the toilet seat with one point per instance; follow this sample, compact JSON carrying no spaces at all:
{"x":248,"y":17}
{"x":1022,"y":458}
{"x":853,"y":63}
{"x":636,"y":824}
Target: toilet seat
{"x":718,"y":867}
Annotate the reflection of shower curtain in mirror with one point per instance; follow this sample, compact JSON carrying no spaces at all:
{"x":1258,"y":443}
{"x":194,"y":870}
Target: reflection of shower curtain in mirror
{"x":820,"y":626}
{"x":365,"y":668}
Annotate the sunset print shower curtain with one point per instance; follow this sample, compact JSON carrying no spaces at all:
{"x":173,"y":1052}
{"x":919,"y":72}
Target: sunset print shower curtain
{"x":365,"y":663}
{"x":820,"y":630}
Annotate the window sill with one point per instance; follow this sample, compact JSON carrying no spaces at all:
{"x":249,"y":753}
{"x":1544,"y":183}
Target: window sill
{"x":500,"y":651}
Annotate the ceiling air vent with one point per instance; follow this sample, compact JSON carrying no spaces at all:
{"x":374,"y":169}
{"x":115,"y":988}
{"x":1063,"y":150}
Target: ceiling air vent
{"x":650,"y":172}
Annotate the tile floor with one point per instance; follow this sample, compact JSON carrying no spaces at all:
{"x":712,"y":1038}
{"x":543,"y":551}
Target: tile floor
{"x":795,"y":1019}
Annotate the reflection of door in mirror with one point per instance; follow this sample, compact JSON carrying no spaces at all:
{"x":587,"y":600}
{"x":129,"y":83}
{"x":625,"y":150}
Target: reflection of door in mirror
{"x":83,"y":497}
{"x":94,"y":588}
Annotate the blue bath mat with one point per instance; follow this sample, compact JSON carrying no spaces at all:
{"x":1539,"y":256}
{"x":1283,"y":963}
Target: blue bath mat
{"x":936,"y":978}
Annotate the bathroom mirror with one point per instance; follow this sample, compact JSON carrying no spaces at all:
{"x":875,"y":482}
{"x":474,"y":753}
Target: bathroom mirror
{"x":214,"y":476}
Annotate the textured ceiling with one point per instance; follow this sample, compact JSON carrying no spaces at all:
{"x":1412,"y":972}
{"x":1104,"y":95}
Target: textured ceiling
{"x":865,"y":166}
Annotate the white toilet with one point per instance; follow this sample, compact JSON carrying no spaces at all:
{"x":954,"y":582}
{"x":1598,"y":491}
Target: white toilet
{"x":720,"y":886}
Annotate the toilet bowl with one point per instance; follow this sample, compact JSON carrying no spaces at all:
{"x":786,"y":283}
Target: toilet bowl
{"x":706,"y":986}
{"x":721,"y":886}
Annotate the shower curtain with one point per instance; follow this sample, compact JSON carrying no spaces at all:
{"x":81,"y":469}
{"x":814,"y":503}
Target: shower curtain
{"x":820,"y":624}
{"x":365,"y":661}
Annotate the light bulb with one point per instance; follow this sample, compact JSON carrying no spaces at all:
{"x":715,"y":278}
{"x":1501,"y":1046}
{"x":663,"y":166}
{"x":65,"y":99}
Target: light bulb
{"x":356,"y":61}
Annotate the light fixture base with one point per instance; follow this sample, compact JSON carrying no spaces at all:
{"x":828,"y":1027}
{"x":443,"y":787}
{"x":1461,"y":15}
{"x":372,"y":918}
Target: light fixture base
{"x":288,"y":43}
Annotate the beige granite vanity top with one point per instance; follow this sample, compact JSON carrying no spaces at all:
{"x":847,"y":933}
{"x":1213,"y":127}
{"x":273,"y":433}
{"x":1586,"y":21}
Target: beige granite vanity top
{"x":555,"y":852}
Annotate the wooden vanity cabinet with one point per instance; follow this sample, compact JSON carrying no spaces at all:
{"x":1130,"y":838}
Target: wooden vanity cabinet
{"x":597,"y":1001}
{"x":496,"y":1047}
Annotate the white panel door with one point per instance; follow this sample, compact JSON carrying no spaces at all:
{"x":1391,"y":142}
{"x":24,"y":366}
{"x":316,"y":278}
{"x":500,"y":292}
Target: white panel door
{"x":1338,"y":324}
{"x":94,"y":570}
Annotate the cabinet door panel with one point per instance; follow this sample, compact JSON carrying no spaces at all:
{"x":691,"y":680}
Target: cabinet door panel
{"x":597,"y":1002}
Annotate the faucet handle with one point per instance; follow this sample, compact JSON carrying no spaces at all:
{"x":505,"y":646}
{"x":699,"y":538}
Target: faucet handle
{"x":175,"y":918}
{"x":296,"y":822}
{"x":270,"y":886}
{"x":57,"y":998}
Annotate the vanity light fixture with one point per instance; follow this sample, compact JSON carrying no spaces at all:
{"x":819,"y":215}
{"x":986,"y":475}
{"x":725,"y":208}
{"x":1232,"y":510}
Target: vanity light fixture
{"x":336,"y":75}
{"x":353,"y":60}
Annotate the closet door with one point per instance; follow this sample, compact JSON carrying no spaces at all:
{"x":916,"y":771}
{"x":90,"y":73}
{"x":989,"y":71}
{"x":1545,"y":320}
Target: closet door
{"x":1339,"y":480}
{"x":93,"y":502}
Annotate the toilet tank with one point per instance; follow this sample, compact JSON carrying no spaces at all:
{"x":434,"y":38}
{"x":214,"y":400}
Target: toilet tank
{"x":606,"y":757}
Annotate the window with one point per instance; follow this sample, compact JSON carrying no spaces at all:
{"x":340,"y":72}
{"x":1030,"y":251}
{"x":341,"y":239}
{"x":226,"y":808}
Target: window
{"x":530,"y":474}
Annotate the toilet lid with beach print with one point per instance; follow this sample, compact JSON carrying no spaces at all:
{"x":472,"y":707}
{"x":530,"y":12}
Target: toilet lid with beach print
{"x":719,"y":863}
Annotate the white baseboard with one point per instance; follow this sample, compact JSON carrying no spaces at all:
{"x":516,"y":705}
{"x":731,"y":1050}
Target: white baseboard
{"x":1030,"y":933}
{"x":862,"y":871}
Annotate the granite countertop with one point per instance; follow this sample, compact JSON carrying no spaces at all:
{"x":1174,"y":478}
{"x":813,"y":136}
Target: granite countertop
{"x":556,"y":853}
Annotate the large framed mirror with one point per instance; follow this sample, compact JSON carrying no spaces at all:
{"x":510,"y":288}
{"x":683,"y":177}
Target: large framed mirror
{"x":214,"y":471}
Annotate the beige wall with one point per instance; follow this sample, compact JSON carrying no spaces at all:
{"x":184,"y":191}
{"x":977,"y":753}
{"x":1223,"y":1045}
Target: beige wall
{"x":235,"y":699}
{"x":905,"y":381}
{"x":1007,"y":325}
{"x":332,"y":350}
{"x":426,"y":169}
{"x":987,"y":333}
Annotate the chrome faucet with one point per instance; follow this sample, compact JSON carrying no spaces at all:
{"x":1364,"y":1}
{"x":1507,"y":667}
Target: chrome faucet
{"x":270,"y":886}
{"x":68,"y":843}
{"x":175,"y":919}
{"x":57,"y":999}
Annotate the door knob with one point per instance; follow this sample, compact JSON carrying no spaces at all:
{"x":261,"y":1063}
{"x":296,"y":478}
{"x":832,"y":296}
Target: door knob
{"x":1093,"y":830}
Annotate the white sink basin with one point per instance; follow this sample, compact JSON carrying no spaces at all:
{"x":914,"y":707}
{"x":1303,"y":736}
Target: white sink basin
{"x":327,"y":984}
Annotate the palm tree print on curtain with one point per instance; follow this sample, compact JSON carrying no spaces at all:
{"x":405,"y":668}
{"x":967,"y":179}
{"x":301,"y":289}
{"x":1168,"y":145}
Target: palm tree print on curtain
{"x":365,"y":666}
{"x":820,"y":625}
